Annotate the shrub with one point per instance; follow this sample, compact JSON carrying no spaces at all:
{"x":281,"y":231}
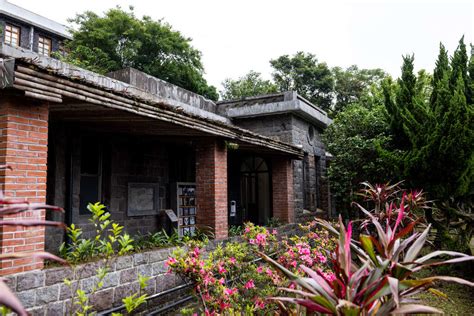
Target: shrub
{"x":376,"y":275}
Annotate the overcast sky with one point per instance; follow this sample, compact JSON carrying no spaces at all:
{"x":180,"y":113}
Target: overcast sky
{"x":239,"y":35}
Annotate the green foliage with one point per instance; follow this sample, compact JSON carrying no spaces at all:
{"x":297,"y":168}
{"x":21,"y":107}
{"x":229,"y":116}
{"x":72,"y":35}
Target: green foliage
{"x":109,"y":238}
{"x":353,"y":139}
{"x":118,"y":39}
{"x":235,"y":230}
{"x":352,"y":84}
{"x":377,"y":275}
{"x":303,"y":73}
{"x":249,"y":85}
{"x":435,"y":133}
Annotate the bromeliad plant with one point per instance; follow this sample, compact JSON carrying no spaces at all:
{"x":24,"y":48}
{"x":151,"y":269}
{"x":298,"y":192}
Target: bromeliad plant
{"x":375,"y":276}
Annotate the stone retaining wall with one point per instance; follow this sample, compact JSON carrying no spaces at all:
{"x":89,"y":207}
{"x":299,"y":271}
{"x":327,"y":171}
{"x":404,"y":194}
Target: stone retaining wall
{"x":43,"y":292}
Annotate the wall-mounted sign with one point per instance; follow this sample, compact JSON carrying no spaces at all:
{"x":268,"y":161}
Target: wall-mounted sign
{"x":171,"y":215}
{"x":143,"y":199}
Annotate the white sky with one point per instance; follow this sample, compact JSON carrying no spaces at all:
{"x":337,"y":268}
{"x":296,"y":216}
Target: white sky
{"x":239,"y":35}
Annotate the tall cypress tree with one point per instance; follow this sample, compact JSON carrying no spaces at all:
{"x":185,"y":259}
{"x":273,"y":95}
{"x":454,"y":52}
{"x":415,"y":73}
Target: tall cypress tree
{"x":440,"y":154}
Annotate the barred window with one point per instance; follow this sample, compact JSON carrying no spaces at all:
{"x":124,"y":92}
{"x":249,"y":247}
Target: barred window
{"x":44,"y":46}
{"x":12,"y":35}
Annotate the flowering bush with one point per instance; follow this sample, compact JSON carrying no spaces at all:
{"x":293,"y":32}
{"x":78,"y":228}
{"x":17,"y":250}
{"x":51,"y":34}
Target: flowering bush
{"x":228,"y":279}
{"x":313,"y":249}
{"x":259,"y":236}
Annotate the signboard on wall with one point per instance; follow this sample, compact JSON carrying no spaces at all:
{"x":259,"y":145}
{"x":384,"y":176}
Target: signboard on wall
{"x":143,"y":199}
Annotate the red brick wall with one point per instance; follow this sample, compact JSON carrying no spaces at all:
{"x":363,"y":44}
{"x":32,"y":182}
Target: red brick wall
{"x":211,"y":186}
{"x":282,"y":182}
{"x":23,"y":146}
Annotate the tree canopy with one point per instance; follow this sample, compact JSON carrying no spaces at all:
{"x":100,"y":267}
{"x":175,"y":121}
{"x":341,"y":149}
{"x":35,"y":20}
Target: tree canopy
{"x":352,"y":83}
{"x":303,"y":73}
{"x":249,"y":85}
{"x":118,"y":39}
{"x":435,"y":132}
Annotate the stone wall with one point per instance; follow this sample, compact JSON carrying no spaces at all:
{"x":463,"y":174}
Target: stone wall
{"x":44,"y":293}
{"x":310,"y":190}
{"x":125,"y":159}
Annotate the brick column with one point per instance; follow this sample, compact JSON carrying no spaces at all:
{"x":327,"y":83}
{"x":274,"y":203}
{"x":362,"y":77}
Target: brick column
{"x":211,"y":187}
{"x":23,"y":146}
{"x":282,"y":182}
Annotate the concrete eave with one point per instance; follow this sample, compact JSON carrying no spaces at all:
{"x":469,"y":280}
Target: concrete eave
{"x":297,"y":107}
{"x":133,"y":99}
{"x":69,"y":71}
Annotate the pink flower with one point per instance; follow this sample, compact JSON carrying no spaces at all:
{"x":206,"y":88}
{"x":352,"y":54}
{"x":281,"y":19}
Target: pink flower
{"x":247,"y":229}
{"x":196,"y":252}
{"x":221,"y":281}
{"x":228,"y":291}
{"x":259,"y":269}
{"x":259,"y":304}
{"x":249,"y":284}
{"x":232,"y":260}
{"x":252,"y":241}
{"x":269,"y":272}
{"x":222,"y":269}
{"x":170,"y":261}
{"x":293,"y":263}
{"x":274,"y":232}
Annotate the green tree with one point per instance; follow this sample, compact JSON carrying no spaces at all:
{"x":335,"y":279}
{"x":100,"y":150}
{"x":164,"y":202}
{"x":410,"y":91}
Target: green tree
{"x":303,"y":73}
{"x":436,"y":134}
{"x":118,"y":39}
{"x":352,"y":83}
{"x":353,"y":139}
{"x":249,"y":85}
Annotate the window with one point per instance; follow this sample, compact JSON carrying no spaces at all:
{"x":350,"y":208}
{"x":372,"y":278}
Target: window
{"x":12,"y":35}
{"x":44,"y":46}
{"x":91,"y":173}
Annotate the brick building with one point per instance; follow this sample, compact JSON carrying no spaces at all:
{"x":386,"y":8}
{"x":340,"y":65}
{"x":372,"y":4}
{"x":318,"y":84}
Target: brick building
{"x":142,"y":146}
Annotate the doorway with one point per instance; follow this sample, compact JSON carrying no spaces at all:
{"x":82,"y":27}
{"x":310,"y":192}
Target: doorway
{"x":255,"y":190}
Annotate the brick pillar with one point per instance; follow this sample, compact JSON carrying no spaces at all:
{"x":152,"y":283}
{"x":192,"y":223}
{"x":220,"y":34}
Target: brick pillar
{"x":211,"y":187}
{"x":23,"y":146}
{"x":282,"y":182}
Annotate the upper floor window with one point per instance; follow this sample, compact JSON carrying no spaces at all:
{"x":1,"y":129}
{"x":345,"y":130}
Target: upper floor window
{"x":44,"y":46}
{"x":12,"y":35}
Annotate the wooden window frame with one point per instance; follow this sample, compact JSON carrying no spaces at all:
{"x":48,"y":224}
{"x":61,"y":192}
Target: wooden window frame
{"x":8,"y":37}
{"x":42,"y":40}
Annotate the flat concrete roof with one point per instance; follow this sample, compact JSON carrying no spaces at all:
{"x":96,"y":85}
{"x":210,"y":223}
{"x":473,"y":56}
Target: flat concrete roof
{"x":21,"y":14}
{"x":272,"y":104}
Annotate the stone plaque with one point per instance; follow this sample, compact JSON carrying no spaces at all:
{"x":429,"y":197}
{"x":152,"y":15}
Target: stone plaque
{"x":143,"y":199}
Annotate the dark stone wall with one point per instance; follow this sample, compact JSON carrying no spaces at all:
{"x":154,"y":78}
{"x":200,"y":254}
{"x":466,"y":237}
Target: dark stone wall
{"x":124,"y":159}
{"x":310,"y":191}
{"x":25,"y":31}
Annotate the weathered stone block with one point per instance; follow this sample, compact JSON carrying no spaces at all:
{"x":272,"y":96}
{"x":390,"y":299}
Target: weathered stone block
{"x":111,"y":280}
{"x":158,"y":255}
{"x":30,"y":280}
{"x":123,"y":291}
{"x":140,"y":258}
{"x":128,"y":275}
{"x":37,"y":311}
{"x":88,"y":270}
{"x":27,"y":298}
{"x":145,"y":270}
{"x":57,"y":275}
{"x":102,"y":300}
{"x":123,"y":262}
{"x":47,"y":294}
{"x":65,"y":291}
{"x":159,"y":268}
{"x":55,"y":309}
{"x":88,"y":284}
